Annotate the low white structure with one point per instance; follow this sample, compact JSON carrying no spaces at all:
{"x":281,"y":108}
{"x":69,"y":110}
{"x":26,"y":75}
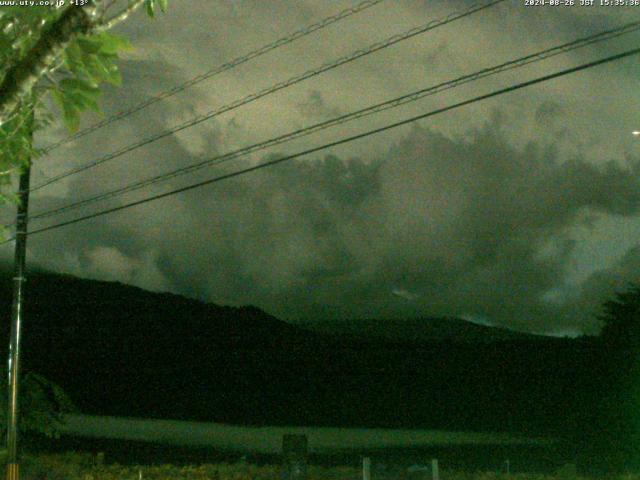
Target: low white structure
{"x":269,"y":439}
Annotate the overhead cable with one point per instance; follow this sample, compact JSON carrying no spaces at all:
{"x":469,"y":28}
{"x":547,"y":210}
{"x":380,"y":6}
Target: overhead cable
{"x":217,"y":70}
{"x":274,"y":88}
{"x":386,"y":105}
{"x":337,"y":142}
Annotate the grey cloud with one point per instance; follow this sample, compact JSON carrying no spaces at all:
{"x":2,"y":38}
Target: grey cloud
{"x":477,"y":215}
{"x":437,"y":55}
{"x":316,"y":107}
{"x":603,"y":285}
{"x":470,"y":226}
{"x":468,"y":223}
{"x":548,"y":111}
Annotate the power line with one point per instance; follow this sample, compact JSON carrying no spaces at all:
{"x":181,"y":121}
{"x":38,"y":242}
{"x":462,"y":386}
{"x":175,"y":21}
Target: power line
{"x":274,"y":88}
{"x":341,"y":141}
{"x":217,"y":70}
{"x":393,"y":103}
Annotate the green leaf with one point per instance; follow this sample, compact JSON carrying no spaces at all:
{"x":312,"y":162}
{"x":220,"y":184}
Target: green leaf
{"x":89,"y":45}
{"x":112,"y":44}
{"x":150,"y":6}
{"x":108,"y":70}
{"x":71,"y":118}
{"x":73,"y":57}
{"x":87,"y":62}
{"x":81,"y":93}
{"x":58,"y":98}
{"x":10,"y":197}
{"x":83,"y":102}
{"x":93,"y":58}
{"x":70,"y":113}
{"x":80,"y":85}
{"x":90,"y":71}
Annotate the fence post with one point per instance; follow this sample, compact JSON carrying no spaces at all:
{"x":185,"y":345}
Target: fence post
{"x":435,"y":473}
{"x":294,"y":457}
{"x":366,"y":468}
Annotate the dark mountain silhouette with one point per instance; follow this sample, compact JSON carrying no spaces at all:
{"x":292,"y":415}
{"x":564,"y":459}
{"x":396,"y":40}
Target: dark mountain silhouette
{"x":420,"y":330}
{"x":120,"y":350}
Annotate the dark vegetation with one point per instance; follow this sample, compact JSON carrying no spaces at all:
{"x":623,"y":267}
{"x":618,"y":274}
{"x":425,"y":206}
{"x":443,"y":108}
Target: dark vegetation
{"x":119,"y":350}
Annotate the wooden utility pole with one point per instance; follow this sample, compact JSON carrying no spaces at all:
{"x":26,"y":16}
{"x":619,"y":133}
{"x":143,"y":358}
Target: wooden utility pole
{"x":16,"y":319}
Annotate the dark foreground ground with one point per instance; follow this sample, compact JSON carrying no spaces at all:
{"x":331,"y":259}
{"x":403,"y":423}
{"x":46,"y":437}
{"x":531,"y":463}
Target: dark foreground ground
{"x":461,"y":458}
{"x":79,"y":466}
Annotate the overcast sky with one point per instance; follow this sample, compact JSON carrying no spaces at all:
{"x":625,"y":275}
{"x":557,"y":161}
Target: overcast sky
{"x":521,"y":211}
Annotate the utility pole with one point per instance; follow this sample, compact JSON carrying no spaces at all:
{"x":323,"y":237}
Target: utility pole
{"x":16,"y":317}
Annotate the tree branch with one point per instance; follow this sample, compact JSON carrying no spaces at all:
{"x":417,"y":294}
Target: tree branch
{"x":119,"y":17}
{"x":22,"y":77}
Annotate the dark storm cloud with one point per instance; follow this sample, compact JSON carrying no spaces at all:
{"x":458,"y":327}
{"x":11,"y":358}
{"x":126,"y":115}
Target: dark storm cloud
{"x":259,"y":237}
{"x":445,"y":220}
{"x":476,"y":227}
{"x":316,"y":107}
{"x":436,"y":55}
{"x":469,"y":226}
{"x":548,"y":112}
{"x":604,"y":285}
{"x":70,"y":249}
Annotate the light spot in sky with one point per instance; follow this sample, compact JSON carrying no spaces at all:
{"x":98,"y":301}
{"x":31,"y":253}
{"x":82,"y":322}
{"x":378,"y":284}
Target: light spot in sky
{"x":477,"y":319}
{"x":402,"y":293}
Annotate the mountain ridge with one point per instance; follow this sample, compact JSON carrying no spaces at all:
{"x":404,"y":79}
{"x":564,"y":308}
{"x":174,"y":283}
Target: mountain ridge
{"x":421,"y":329}
{"x":123,"y":351}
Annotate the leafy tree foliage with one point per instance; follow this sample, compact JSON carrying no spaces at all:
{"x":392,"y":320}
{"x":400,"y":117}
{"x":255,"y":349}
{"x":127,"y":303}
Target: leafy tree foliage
{"x":621,"y":321}
{"x":42,"y":406}
{"x":614,"y":435}
{"x":65,"y":53}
